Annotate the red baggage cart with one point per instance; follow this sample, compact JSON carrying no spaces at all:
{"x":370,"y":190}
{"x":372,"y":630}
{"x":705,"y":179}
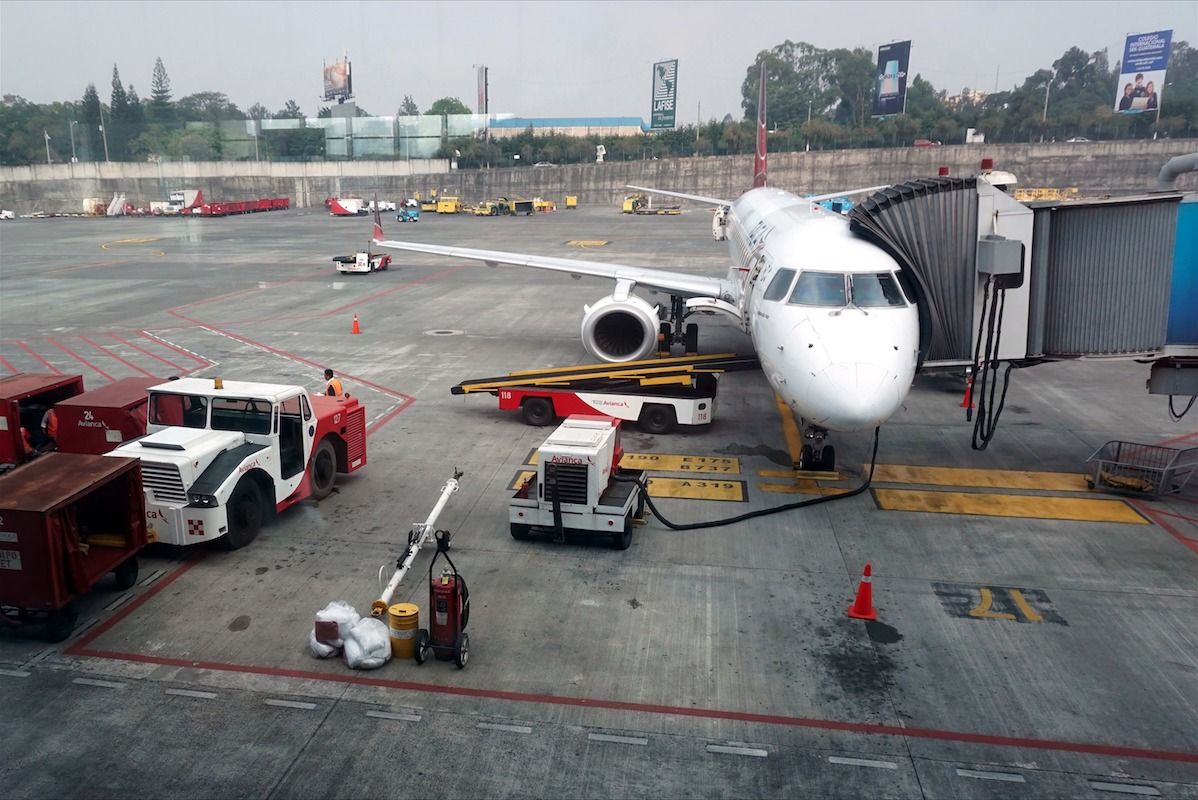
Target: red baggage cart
{"x":66,"y":521}
{"x":103,"y":419}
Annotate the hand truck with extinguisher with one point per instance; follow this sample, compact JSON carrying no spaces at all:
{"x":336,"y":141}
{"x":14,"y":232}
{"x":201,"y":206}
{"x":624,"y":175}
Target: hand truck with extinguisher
{"x":449,"y":611}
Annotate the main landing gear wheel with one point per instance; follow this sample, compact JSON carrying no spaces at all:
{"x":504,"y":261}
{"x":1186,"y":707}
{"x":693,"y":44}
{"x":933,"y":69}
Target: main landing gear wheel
{"x":324,"y":470}
{"x":461,"y":650}
{"x":245,"y":515}
{"x":537,"y":411}
{"x":422,"y":645}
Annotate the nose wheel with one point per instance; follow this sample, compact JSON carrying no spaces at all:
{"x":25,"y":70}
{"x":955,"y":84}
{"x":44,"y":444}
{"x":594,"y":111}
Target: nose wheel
{"x":818,"y":455}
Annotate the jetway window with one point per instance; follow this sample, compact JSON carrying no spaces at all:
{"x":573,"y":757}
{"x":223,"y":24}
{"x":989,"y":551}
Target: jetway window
{"x":780,"y":285}
{"x":820,"y":289}
{"x":875,"y":290}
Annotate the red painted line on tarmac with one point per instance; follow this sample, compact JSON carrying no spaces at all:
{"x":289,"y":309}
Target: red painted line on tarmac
{"x":49,"y":366}
{"x":224,"y":296}
{"x":864,"y":728}
{"x":111,"y":354}
{"x":405,"y":400}
{"x":7,"y":365}
{"x":400,"y":287}
{"x":390,"y":415}
{"x":179,"y":350}
{"x":1191,"y":520}
{"x":78,"y":357}
{"x":78,"y":647}
{"x":1157,"y":517}
{"x":168,"y":362}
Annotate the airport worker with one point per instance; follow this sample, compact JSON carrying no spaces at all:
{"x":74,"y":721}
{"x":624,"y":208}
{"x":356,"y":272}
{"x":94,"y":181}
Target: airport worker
{"x":26,"y":445}
{"x":50,"y":427}
{"x":332,"y":384}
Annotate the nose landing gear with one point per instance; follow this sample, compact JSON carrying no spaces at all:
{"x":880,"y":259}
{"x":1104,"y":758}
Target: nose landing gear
{"x":817,"y":455}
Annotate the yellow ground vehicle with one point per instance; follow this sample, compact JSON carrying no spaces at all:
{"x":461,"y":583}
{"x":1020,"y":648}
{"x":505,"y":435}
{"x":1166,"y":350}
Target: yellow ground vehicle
{"x":542,"y":205}
{"x":448,"y":205}
{"x":571,"y":201}
{"x":429,"y":203}
{"x":633,"y":203}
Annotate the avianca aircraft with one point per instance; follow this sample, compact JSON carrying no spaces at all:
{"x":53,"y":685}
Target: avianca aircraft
{"x":832,"y":322}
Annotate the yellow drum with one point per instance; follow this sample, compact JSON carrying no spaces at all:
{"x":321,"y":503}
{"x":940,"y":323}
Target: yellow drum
{"x":403,"y":619}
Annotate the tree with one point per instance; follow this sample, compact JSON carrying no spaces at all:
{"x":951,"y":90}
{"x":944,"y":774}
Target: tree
{"x":290,"y":110}
{"x":159,"y":109}
{"x":118,"y":135}
{"x":208,"y":107}
{"x":257,"y":111}
{"x":408,"y":107}
{"x":447,"y":105}
{"x":93,"y":147}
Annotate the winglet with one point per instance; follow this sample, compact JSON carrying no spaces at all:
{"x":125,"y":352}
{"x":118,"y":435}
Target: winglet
{"x":378,"y":221}
{"x":759,"y":157}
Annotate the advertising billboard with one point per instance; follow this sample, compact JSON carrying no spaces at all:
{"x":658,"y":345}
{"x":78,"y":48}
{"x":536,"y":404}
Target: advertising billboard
{"x":1142,"y":76}
{"x":665,"y":94}
{"x":890,"y":89}
{"x":338,"y":81}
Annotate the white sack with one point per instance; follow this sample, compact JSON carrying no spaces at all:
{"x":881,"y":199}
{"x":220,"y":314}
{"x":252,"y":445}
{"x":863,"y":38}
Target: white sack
{"x":345,"y":615}
{"x":368,"y":644}
{"x":320,"y":649}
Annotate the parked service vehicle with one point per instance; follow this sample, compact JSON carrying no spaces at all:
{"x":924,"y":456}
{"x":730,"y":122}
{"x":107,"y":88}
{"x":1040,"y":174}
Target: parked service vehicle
{"x":220,"y":458}
{"x":362,"y":261}
{"x":575,"y":486}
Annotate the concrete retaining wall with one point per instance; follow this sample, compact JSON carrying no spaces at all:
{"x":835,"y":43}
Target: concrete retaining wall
{"x":1094,"y":168}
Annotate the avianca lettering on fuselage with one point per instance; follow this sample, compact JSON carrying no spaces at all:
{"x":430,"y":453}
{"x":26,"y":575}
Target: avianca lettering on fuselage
{"x":835,"y":331}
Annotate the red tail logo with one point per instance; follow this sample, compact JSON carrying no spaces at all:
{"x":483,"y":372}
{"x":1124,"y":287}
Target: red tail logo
{"x":378,"y":222}
{"x":759,"y":158}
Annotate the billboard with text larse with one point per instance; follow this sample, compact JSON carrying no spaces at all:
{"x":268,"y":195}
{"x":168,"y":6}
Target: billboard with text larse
{"x":665,"y":94}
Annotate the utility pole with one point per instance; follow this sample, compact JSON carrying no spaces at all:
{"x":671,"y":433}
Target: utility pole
{"x":74,"y":158}
{"x":104,"y":133}
{"x":1044,"y":116}
{"x":46,"y":134}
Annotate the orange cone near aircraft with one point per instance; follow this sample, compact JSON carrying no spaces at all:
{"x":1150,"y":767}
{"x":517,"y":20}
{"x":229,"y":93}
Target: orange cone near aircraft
{"x":356,"y":328}
{"x":863,"y":606}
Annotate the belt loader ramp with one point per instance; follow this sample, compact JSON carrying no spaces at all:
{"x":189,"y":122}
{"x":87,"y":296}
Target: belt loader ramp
{"x":658,"y":394}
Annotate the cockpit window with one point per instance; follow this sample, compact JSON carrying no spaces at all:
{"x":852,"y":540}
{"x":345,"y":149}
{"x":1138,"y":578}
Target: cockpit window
{"x":780,"y":285}
{"x":875,"y":290}
{"x":820,"y":289}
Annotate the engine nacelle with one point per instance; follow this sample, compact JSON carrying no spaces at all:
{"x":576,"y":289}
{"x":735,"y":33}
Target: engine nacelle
{"x":619,"y":330}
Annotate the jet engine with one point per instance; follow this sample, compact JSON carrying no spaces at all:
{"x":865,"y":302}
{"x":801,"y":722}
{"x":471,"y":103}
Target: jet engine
{"x":619,"y":330}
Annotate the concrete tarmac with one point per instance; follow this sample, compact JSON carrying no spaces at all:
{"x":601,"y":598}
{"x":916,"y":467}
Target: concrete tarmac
{"x":1015,"y":656}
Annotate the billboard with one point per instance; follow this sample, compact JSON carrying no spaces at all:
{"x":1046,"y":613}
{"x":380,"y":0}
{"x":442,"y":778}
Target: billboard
{"x":1142,"y":76}
{"x":890,"y":89}
{"x":665,"y":94}
{"x":338,"y":81}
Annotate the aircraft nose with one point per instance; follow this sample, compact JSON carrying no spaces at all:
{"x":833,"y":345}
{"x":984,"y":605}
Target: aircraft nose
{"x":854,"y":396}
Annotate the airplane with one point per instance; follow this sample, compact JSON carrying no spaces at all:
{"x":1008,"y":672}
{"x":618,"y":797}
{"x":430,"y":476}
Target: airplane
{"x":831,"y":317}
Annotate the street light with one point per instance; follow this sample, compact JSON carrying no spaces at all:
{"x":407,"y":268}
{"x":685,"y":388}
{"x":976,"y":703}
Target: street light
{"x":104,"y":133}
{"x":47,"y":135}
{"x":74,"y":160}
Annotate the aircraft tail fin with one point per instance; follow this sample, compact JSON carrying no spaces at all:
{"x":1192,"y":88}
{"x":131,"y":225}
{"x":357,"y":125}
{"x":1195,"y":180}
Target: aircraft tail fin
{"x":759,"y":164}
{"x":378,"y":221}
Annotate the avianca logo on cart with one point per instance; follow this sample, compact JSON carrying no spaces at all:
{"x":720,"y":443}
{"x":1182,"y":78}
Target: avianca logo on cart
{"x":613,"y":403}
{"x":247,"y":467}
{"x":89,"y":421}
{"x":569,"y":460}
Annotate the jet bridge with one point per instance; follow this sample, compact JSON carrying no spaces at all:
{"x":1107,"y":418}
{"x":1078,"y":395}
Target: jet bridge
{"x":1113,"y":277}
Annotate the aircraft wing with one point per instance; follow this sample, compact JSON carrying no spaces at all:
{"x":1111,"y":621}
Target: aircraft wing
{"x":672,"y":282}
{"x":696,"y":197}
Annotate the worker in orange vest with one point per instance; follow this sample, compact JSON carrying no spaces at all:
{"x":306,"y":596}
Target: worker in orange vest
{"x":332,"y":384}
{"x":26,"y":445}
{"x":50,"y":427}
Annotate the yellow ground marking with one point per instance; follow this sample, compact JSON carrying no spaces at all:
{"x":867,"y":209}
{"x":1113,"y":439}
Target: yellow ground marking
{"x":1007,"y":505}
{"x":790,"y":430}
{"x":982,"y":609}
{"x":586,"y":243}
{"x":801,"y":486}
{"x":1025,"y":608}
{"x":810,"y":474}
{"x":697,"y":489}
{"x":661,"y":462}
{"x":983,"y":478}
{"x":677,"y":488}
{"x":135,"y":240}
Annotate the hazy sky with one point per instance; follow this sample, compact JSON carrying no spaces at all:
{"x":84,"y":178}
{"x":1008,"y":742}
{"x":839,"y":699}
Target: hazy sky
{"x":548,"y":58}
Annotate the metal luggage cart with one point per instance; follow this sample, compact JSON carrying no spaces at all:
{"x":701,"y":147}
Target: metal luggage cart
{"x":1140,"y":469}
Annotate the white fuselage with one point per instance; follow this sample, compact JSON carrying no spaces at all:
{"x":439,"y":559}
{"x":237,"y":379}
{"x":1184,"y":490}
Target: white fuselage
{"x":837,"y":336}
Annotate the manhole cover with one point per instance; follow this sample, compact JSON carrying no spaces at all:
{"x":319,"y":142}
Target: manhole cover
{"x":444,"y":333}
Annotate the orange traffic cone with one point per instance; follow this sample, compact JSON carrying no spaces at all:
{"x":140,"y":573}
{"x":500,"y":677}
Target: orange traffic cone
{"x":863,"y":606}
{"x":356,"y":328}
